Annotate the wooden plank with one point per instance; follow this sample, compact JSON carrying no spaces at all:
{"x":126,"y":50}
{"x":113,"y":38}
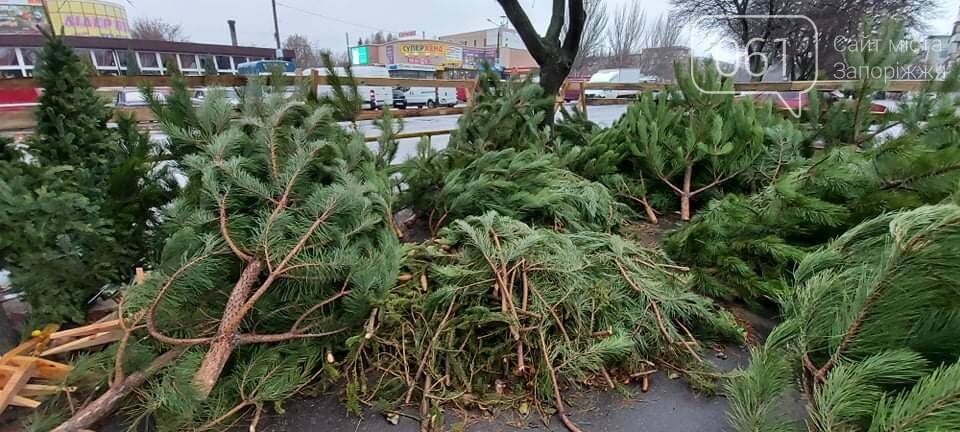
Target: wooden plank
{"x":87,"y":330}
{"x":582,"y":98}
{"x":625,"y":86}
{"x":45,"y":369}
{"x":619,"y":101}
{"x":31,"y":390}
{"x":22,"y":401}
{"x":21,"y":349}
{"x":405,"y":135}
{"x":13,"y":385}
{"x":469,"y":85}
{"x":18,"y":119}
{"x":235,"y":81}
{"x":85,"y":342}
{"x":413,"y":112}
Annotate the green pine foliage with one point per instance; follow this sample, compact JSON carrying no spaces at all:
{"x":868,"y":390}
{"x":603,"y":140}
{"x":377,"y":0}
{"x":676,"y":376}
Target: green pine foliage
{"x":744,"y":246}
{"x":72,"y":118}
{"x":528,"y":186}
{"x":672,"y":146}
{"x":866,"y":333}
{"x":78,"y":202}
{"x":343,"y":98}
{"x":299,"y":213}
{"x":500,"y":301}
{"x":499,"y":159}
{"x":502,"y":115}
{"x":693,"y":140}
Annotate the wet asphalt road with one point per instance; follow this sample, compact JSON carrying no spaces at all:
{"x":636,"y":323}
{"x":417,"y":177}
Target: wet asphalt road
{"x":668,"y":406}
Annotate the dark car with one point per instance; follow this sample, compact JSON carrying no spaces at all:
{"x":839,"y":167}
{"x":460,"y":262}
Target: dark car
{"x":399,"y":99}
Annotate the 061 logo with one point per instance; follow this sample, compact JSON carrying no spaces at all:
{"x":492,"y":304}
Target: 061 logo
{"x":760,"y":56}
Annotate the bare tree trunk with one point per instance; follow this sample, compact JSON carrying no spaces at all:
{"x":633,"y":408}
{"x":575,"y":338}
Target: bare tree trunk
{"x":229,"y":332}
{"x":551,"y":79}
{"x":685,"y":194}
{"x":554,"y":51}
{"x":105,"y":404}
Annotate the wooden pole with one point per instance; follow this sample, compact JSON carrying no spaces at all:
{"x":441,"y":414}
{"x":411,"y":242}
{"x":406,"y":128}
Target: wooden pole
{"x":582,"y":98}
{"x":46,"y":13}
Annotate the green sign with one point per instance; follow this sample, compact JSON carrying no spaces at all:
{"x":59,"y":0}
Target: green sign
{"x":358,"y":55}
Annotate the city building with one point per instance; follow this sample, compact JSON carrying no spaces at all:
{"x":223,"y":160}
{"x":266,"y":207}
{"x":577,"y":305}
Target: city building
{"x":509,"y":50}
{"x":99,"y":32}
{"x":457,"y":56}
{"x":955,"y":40}
{"x":938,"y":51}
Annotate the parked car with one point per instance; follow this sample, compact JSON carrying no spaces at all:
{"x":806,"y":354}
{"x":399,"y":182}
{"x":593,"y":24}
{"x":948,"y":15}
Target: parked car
{"x":399,"y":99}
{"x":265,"y":67}
{"x":429,"y":97}
{"x":373,"y":96}
{"x":230,"y":93}
{"x":134,"y":98}
{"x":618,"y":76}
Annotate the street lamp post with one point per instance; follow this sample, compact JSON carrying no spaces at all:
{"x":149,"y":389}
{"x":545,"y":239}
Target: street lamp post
{"x":499,"y":34}
{"x":276,"y":29}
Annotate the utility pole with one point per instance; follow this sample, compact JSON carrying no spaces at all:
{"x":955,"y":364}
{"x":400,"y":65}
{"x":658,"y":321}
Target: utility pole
{"x":232,"y":24}
{"x":276,"y":29}
{"x":46,"y":14}
{"x":499,"y":34}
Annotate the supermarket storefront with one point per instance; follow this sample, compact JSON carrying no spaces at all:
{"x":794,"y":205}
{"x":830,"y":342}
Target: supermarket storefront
{"x":424,"y":58}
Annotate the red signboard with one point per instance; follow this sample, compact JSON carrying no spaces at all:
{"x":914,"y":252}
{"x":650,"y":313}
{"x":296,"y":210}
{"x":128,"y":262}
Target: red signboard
{"x":409,"y":33}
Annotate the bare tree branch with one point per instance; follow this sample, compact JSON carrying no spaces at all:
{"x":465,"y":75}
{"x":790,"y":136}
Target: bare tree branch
{"x":527,"y":32}
{"x":625,"y":32}
{"x":157,"y":29}
{"x":591,"y":41}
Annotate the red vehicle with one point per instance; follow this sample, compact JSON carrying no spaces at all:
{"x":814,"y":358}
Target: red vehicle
{"x":17,"y":99}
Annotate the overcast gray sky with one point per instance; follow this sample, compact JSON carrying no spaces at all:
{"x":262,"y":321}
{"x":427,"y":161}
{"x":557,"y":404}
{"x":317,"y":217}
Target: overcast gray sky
{"x":326,"y":22}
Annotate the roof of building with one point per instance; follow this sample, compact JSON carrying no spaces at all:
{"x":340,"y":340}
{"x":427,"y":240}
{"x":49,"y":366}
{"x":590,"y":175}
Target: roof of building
{"x":29,"y":40}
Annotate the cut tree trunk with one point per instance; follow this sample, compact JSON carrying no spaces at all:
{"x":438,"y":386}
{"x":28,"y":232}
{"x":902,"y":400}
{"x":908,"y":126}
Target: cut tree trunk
{"x":685,"y":195}
{"x":104,"y":405}
{"x":228,"y":333}
{"x":651,"y":215}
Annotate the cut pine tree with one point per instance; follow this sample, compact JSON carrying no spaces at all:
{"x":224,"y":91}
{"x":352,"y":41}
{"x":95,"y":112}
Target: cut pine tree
{"x":288,"y":227}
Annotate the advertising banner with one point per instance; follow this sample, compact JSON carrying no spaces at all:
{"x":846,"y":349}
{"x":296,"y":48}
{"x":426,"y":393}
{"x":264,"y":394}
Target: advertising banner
{"x":21,"y":17}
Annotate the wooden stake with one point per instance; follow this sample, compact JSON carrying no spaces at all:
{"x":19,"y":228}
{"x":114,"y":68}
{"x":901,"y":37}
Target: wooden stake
{"x":85,"y":342}
{"x":16,"y":382}
{"x":104,"y":404}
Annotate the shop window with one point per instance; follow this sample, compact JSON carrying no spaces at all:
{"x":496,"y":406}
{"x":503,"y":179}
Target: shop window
{"x":223,"y":63}
{"x":169,"y":61}
{"x":8,"y":57}
{"x":11,"y":73}
{"x":148,"y":60}
{"x":238,"y":60}
{"x":30,"y":55}
{"x":188,"y":61}
{"x":104,"y":58}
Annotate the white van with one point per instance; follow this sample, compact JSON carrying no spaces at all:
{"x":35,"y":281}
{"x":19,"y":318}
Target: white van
{"x":373,"y":96}
{"x":429,"y":97}
{"x":618,"y":76}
